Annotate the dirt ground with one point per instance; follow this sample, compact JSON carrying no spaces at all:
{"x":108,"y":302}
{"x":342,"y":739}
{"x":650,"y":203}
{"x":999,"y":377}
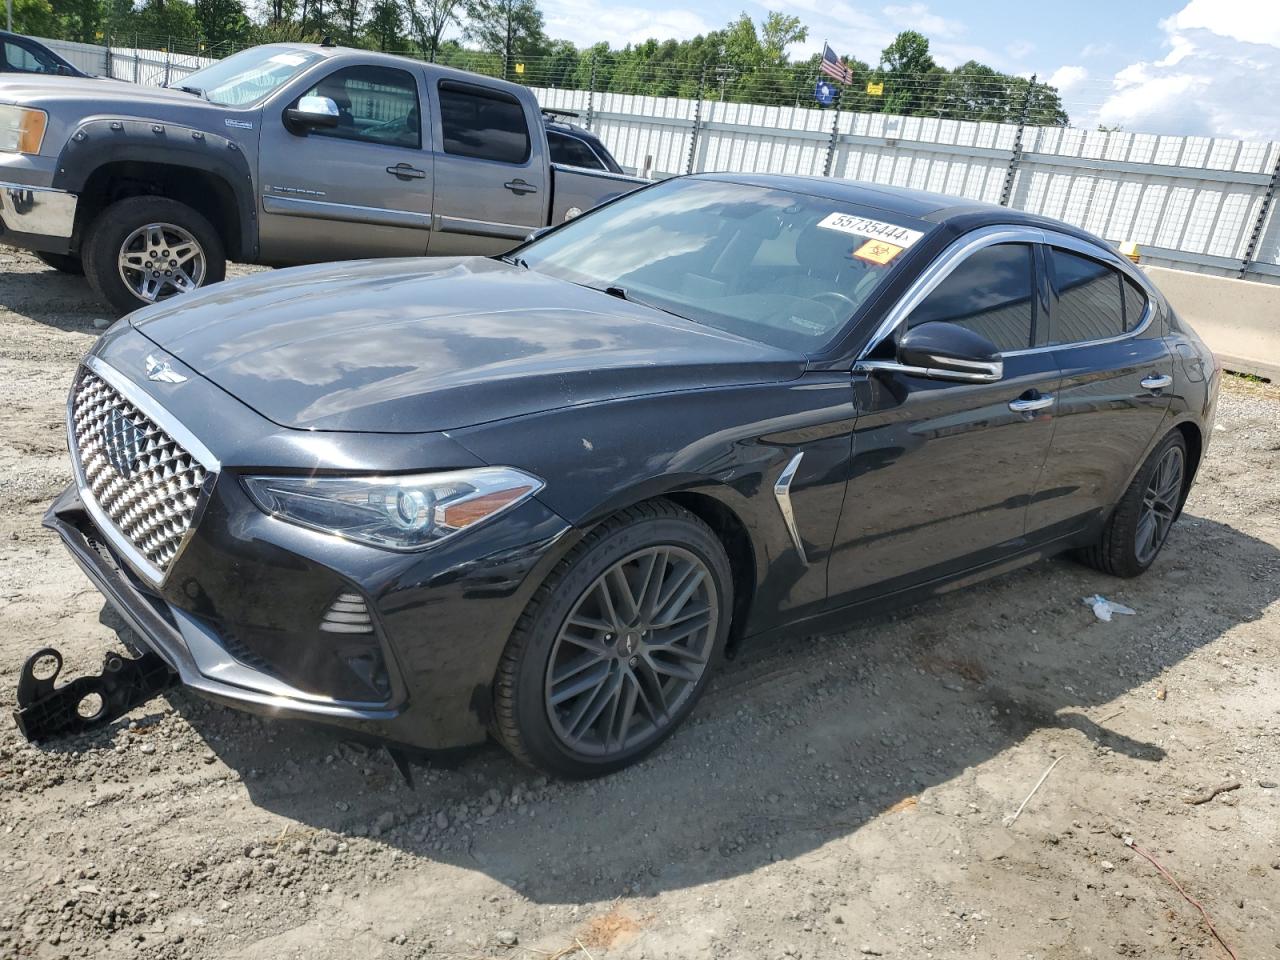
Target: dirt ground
{"x":837,"y":796}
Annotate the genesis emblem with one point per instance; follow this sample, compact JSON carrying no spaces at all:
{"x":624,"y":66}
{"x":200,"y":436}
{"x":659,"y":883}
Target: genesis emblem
{"x":123,"y":441}
{"x":162,"y":371}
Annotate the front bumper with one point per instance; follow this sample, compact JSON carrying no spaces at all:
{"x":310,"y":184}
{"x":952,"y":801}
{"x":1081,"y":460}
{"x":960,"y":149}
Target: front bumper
{"x":37,"y":218}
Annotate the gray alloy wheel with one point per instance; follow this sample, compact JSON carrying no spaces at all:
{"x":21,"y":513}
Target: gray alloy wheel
{"x":159,"y":260}
{"x":632,"y":650}
{"x":1159,"y":505}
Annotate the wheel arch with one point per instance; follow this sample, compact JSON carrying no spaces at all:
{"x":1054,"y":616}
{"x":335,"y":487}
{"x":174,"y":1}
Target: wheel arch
{"x":1194,"y":439}
{"x":108,"y":160}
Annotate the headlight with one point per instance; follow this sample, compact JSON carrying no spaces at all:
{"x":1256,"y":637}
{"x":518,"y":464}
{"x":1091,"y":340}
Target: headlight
{"x":399,"y":513}
{"x":21,"y":128}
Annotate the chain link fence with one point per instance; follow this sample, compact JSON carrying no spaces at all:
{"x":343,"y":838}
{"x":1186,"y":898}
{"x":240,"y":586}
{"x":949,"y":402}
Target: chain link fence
{"x":1194,"y":203}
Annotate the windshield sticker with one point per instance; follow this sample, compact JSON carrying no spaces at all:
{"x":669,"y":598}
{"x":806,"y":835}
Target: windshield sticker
{"x":239,"y":124}
{"x":877,"y":251}
{"x":875,"y":229}
{"x":288,"y":59}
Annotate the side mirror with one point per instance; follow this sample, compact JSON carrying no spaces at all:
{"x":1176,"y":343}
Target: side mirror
{"x":948,"y":351}
{"x":311,"y":113}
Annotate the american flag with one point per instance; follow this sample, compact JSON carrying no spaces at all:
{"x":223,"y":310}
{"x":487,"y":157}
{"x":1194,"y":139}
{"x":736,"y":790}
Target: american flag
{"x":833,"y":68}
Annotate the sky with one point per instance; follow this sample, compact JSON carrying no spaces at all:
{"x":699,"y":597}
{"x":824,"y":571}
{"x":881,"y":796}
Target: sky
{"x":1207,"y":67}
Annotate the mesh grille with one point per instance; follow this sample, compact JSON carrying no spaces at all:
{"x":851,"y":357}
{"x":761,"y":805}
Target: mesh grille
{"x":146,"y":483}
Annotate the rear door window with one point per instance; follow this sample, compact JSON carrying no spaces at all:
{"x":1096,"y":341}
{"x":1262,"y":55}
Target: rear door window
{"x":22,"y":59}
{"x":991,"y":293}
{"x":482,"y":123}
{"x":1091,"y":299}
{"x":572,"y":151}
{"x":375,"y":104}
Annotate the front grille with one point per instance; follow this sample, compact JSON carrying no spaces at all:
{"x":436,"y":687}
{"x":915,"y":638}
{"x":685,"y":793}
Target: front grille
{"x":145,"y":482}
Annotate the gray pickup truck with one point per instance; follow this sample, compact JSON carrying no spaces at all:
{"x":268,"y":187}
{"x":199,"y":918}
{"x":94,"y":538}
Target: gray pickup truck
{"x":281,"y":154}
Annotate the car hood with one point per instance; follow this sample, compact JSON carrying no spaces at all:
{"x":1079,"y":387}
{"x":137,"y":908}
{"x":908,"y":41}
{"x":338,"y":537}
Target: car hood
{"x":418,"y":345}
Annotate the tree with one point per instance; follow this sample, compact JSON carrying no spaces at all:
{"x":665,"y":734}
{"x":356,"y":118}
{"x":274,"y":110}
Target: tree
{"x":430,"y":19}
{"x":386,"y":24}
{"x":510,"y":28}
{"x":35,"y":18}
{"x":162,"y":21}
{"x":778,"y":32}
{"x":221,"y":21}
{"x":909,"y":73}
{"x":345,"y":20}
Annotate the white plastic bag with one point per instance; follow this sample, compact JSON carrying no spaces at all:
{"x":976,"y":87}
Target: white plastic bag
{"x":1104,"y":608}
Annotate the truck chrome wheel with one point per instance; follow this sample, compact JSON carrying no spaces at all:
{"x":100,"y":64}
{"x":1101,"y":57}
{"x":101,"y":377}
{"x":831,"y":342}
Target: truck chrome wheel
{"x":631,"y":651}
{"x":160,"y":260}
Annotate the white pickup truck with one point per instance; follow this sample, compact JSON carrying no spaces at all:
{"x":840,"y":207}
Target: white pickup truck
{"x":281,"y":154}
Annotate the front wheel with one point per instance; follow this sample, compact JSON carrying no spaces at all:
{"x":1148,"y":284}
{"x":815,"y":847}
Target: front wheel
{"x":144,"y":250}
{"x":615,"y":649}
{"x":1142,"y":519}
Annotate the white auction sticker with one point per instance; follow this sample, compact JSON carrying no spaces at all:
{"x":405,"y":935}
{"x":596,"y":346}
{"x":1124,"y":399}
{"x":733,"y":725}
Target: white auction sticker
{"x":876,"y":229}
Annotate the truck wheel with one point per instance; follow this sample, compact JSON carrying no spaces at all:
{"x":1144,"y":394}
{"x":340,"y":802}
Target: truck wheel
{"x":62,"y":262}
{"x":142,"y":250}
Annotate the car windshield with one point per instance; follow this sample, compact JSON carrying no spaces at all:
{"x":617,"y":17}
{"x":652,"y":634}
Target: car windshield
{"x":783,"y":268}
{"x":250,"y":75}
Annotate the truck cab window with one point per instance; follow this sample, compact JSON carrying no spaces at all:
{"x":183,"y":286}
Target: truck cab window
{"x":375,"y":104}
{"x":483,"y":124}
{"x":572,"y":152}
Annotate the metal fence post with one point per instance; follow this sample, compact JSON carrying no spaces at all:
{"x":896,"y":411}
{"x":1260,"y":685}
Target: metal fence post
{"x":591,"y":92}
{"x":137,"y":61}
{"x":1260,"y":223}
{"x":1006,"y":192}
{"x":168,"y":57}
{"x":697,"y":121}
{"x":835,"y":135}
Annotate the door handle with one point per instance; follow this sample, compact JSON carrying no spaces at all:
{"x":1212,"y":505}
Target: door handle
{"x":1156,"y":381}
{"x":1028,"y":404}
{"x":406,"y":172}
{"x":520,"y":187}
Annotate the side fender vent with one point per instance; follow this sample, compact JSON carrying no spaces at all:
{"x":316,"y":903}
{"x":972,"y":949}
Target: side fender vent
{"x":347,"y":614}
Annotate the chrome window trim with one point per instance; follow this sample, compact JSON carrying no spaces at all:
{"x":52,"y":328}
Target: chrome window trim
{"x":961,"y":249}
{"x":163,"y":419}
{"x":782,"y":493}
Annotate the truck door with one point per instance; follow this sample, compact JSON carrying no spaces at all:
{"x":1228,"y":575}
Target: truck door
{"x":359,"y":189}
{"x":491,"y":184}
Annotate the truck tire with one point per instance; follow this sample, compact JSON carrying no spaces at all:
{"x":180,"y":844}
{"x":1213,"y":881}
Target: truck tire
{"x":142,"y":250}
{"x":62,"y":262}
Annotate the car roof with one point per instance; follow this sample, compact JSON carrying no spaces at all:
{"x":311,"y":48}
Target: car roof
{"x":396,"y":60}
{"x":957,"y":212}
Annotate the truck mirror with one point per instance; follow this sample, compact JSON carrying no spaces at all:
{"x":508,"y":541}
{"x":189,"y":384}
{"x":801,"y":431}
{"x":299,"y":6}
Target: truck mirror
{"x":311,"y":113}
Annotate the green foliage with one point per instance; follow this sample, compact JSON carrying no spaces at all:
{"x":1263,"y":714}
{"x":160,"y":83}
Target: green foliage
{"x":745,"y":61}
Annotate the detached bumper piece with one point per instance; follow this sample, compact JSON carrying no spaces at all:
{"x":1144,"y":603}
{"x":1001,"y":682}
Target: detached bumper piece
{"x":46,"y":711}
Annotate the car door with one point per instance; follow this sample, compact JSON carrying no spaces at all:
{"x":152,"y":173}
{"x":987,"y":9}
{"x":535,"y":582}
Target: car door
{"x":490,"y":185}
{"x":360,"y":189}
{"x":942,"y":472}
{"x":1115,"y":393}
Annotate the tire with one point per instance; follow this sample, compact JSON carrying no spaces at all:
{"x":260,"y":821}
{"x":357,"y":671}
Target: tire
{"x":62,"y":262}
{"x":633,"y":663}
{"x":177,"y":225}
{"x":1124,"y":549}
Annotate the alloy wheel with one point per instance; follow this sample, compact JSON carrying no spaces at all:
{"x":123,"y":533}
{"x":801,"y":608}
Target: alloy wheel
{"x":632,"y":651}
{"x":1159,"y":505}
{"x":160,"y":260}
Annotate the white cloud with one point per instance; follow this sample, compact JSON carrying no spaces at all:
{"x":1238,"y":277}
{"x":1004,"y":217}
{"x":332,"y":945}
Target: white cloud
{"x":586,"y":22}
{"x":1220,"y":77}
{"x":1065,"y":78}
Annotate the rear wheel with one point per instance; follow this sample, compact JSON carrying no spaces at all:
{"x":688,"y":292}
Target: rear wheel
{"x":62,"y":262}
{"x":1141,"y":521}
{"x":617,"y":646}
{"x":143,"y":250}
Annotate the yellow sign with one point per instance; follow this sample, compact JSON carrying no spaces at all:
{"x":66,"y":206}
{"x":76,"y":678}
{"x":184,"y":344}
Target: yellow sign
{"x":875,"y":89}
{"x":877,"y":251}
{"x":519,"y":68}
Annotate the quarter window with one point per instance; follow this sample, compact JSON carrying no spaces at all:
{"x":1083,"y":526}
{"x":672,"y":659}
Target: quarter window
{"x":22,"y":59}
{"x":572,"y":151}
{"x":1135,"y":305}
{"x":482,"y":123}
{"x":991,"y":293}
{"x":375,"y":105}
{"x":1091,"y":299}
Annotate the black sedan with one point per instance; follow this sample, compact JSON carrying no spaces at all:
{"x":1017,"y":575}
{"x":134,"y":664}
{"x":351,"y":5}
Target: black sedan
{"x":19,"y":54}
{"x":540,"y":496}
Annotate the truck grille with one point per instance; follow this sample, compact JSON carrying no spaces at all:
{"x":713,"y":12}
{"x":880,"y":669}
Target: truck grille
{"x":145,"y":482}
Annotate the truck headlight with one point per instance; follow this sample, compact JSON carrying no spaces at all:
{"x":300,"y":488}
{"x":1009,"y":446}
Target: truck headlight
{"x":21,"y":128}
{"x":398,"y":513}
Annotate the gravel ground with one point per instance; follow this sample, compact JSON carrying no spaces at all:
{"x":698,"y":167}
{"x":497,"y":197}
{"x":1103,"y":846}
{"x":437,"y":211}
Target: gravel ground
{"x":836,"y":796}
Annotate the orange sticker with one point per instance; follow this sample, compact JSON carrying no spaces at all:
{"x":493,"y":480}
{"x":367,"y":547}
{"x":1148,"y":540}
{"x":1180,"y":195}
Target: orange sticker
{"x":877,"y":251}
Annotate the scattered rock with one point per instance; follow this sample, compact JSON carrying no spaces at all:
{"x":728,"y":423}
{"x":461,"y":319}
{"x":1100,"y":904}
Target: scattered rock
{"x":507,"y":938}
